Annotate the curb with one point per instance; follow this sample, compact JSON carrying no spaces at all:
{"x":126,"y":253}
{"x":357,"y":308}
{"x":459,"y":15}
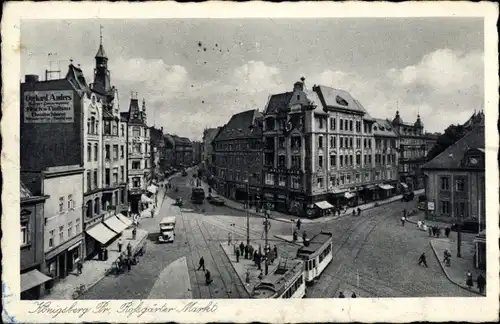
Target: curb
{"x":242,"y":282}
{"x":443,"y":267}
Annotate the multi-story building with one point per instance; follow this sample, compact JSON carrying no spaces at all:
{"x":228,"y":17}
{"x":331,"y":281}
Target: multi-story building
{"x":157,"y":152}
{"x":63,"y":230}
{"x":206,"y":149}
{"x":319,"y":151}
{"x":238,"y":157}
{"x":183,"y":151}
{"x":168,"y":158}
{"x":430,"y":141}
{"x":139,"y":151}
{"x":33,"y":273}
{"x":412,"y":151}
{"x":196,"y":152}
{"x":455,"y":185}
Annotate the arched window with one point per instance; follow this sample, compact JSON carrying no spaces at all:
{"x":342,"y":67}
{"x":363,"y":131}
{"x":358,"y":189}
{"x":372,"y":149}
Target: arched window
{"x":96,"y":151}
{"x":89,"y":210}
{"x":97,"y":206}
{"x":92,"y":125}
{"x":97,"y":127}
{"x":89,"y":152}
{"x":88,"y":126}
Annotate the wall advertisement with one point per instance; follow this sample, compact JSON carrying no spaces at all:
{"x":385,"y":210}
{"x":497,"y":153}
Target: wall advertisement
{"x":51,"y":107}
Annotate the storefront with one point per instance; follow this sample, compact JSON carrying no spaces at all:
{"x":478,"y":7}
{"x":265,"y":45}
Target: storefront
{"x":32,"y":284}
{"x":323,"y":208}
{"x":368,"y":193}
{"x":61,"y":261}
{"x":97,"y":238}
{"x":386,"y":191}
{"x":296,"y":203}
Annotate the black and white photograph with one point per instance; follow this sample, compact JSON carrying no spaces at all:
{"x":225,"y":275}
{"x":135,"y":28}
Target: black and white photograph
{"x":215,"y":158}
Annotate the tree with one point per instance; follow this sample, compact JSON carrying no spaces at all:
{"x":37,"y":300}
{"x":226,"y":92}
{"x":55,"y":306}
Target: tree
{"x":450,"y":136}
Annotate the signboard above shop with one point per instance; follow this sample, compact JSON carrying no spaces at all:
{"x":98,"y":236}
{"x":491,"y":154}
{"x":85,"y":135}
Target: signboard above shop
{"x":48,"y":107}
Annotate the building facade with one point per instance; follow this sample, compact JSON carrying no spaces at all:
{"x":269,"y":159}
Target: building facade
{"x":183,"y":151}
{"x":168,"y":157}
{"x":139,"y":152}
{"x":430,"y":141}
{"x":209,"y":135}
{"x":197,"y":147}
{"x":412,"y":151}
{"x":238,"y":158}
{"x":320,"y":151}
{"x":63,"y":230}
{"x":32,"y":268}
{"x":157,"y":152}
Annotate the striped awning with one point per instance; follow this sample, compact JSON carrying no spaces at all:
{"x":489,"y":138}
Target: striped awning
{"x":101,"y":233}
{"x":115,"y":224}
{"x":323,"y":204}
{"x":124,"y":219}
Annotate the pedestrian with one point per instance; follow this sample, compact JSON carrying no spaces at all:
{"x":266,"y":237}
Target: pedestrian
{"x":433,"y":230}
{"x":403,"y":219}
{"x":229,"y":238}
{"x":304,"y":236}
{"x":261,"y":275}
{"x":242,"y":248}
{"x":295,"y":235}
{"x":422,"y":260}
{"x":298,"y":224}
{"x":438,"y":231}
{"x":258,"y":260}
{"x":134,"y":233}
{"x":341,"y":295}
{"x":129,"y":264}
{"x":79,"y":267}
{"x":208,"y":279}
{"x":354,"y":295}
{"x":120,"y":244}
{"x":359,"y":211}
{"x":353,"y":212}
{"x":430,"y":230}
{"x":469,"y":281}
{"x":447,"y":231}
{"x":246,"y":251}
{"x":201,"y":264}
{"x":237,"y":255}
{"x":247,"y":277}
{"x":129,"y":249}
{"x":404,"y":212}
{"x":254,"y":257}
{"x":275,"y":251}
{"x":481,"y":283}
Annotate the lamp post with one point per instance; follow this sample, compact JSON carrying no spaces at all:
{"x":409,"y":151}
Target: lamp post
{"x":248,"y":216}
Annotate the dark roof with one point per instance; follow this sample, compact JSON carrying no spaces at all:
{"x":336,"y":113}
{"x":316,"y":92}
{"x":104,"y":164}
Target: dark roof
{"x":336,"y":98}
{"x":101,"y":52}
{"x":384,"y":128}
{"x":106,"y":114}
{"x":451,"y":158}
{"x":241,"y":125}
{"x":278,"y":101}
{"x":124,"y":116}
{"x":24,"y":191}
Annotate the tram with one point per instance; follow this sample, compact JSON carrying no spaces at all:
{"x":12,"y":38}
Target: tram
{"x":287,"y":281}
{"x":316,"y":254}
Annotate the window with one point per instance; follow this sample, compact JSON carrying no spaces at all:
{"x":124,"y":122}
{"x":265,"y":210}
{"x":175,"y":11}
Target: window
{"x":346,"y":124}
{"x":89,"y":152}
{"x":333,"y":160}
{"x":61,"y":234}
{"x":122,"y":129}
{"x":367,"y":176}
{"x":341,"y":124}
{"x":107,"y":128}
{"x":444,"y":207}
{"x":295,"y":142}
{"x":107,"y":152}
{"x":461,"y":209}
{"x":320,"y":182}
{"x":342,"y":179}
{"x":122,"y":151}
{"x":70,"y":229}
{"x":445,"y":183}
{"x":341,"y":142}
{"x":332,"y":181}
{"x":71,"y":203}
{"x":96,"y":152}
{"x":77,"y":225}
{"x":269,"y":180}
{"x":460,"y":185}
{"x":358,"y":142}
{"x":115,"y":176}
{"x":282,"y":180}
{"x":358,"y":159}
{"x":350,"y":142}
{"x":350,"y":160}
{"x":296,"y":162}
{"x":341,"y":160}
{"x":332,"y":142}
{"x":137,"y":148}
{"x":136,"y":131}
{"x":115,"y":128}
{"x":320,"y":162}
{"x":136,"y":182}
{"x":281,"y":142}
{"x":369,"y":159}
{"x":61,"y":204}
{"x":296,"y":182}
{"x":51,"y":238}
{"x":95,"y":178}
{"x":89,"y":181}
{"x":122,"y":173}
{"x":350,"y":125}
{"x":320,"y":142}
{"x":332,"y":123}
{"x":281,"y":161}
{"x":320,"y":119}
{"x":24,"y":234}
{"x":136,"y":165}
{"x":115,"y":152}
{"x":358,"y":178}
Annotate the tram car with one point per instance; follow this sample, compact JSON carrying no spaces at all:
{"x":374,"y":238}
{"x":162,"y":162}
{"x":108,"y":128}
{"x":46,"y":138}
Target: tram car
{"x":316,"y":254}
{"x":287,"y":281}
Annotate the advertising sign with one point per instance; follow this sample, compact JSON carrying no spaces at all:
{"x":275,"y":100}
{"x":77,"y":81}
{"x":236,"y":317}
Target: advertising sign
{"x":430,"y":205}
{"x":51,"y":107}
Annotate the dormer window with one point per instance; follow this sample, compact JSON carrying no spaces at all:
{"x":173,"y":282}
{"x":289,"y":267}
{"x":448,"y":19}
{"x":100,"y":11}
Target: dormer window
{"x":341,"y":101}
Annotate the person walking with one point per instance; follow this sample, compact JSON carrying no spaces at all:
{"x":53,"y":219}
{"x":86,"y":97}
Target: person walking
{"x":295,"y":236}
{"x":237,"y":255}
{"x":229,"y":238}
{"x":304,"y":236}
{"x":341,"y":295}
{"x":429,"y":229}
{"x":129,"y":249}
{"x":79,"y":267}
{"x":242,"y":248}
{"x":134,"y":233}
{"x":403,"y":219}
{"x":469,"y":280}
{"x":246,"y":252}
{"x":201,"y":264}
{"x":275,"y":251}
{"x":438,"y":231}
{"x":129,"y":264}
{"x":208,"y":278}
{"x":247,"y":277}
{"x":481,"y":283}
{"x":120,"y":244}
{"x":298,"y":224}
{"x":422,"y":260}
{"x":354,"y":295}
{"x":359,"y":211}
{"x":447,"y":231}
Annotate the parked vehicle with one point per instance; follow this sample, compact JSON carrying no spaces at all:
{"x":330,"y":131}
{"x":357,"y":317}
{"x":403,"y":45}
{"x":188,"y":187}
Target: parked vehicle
{"x":167,"y":229}
{"x":197,"y":195}
{"x":218,"y":201}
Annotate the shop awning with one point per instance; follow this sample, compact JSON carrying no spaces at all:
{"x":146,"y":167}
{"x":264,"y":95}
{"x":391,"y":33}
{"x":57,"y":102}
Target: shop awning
{"x":152,"y":189}
{"x":124,"y":219}
{"x":146,"y":199}
{"x":349,"y":195}
{"x":404,"y":185}
{"x":101,"y":233}
{"x":32,"y":279}
{"x":323,"y":204}
{"x":385,"y":186}
{"x":115,"y":224}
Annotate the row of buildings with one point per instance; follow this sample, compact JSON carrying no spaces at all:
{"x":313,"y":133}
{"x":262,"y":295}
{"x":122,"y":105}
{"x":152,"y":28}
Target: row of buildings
{"x":84,"y":166}
{"x":313,"y":149}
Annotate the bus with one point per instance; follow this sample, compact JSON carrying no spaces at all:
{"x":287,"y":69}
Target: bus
{"x":317,"y":254}
{"x":197,"y":195}
{"x":167,"y":229}
{"x":287,"y":281}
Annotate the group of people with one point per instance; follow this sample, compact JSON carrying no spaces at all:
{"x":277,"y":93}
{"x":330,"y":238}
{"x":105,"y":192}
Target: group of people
{"x":249,"y":252}
{"x":341,"y":295}
{"x":480,"y":281}
{"x":126,"y":258}
{"x":208,"y":276}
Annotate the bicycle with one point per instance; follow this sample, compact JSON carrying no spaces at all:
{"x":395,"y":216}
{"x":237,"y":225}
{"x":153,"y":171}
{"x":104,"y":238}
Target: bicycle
{"x":78,"y":291}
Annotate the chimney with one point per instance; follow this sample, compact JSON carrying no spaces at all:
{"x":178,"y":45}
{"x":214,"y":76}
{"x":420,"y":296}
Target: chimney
{"x":31,"y":78}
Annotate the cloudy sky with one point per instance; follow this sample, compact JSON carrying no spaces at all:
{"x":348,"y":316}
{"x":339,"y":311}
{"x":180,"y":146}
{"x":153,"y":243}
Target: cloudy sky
{"x":196,"y":73}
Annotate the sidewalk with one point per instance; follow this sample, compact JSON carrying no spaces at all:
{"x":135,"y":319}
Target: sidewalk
{"x":94,"y":270}
{"x":456,"y":273}
{"x":245,"y":265}
{"x":288,"y":218}
{"x":179,"y":288}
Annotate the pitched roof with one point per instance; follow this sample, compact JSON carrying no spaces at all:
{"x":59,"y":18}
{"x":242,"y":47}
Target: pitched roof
{"x":278,"y":101}
{"x":101,"y":52}
{"x":337,"y":98}
{"x":451,"y":158}
{"x":240,"y":126}
{"x":384,"y":128}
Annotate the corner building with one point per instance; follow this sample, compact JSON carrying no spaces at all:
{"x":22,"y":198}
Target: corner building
{"x":319,"y":151}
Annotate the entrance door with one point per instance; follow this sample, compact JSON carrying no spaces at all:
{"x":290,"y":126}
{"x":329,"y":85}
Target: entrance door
{"x":62,"y":265}
{"x":69,"y":261}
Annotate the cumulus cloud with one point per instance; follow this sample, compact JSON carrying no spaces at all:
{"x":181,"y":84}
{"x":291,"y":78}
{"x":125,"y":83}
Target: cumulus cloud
{"x":256,"y":76}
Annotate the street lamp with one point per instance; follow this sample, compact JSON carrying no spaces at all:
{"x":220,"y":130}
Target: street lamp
{"x":248,"y":216}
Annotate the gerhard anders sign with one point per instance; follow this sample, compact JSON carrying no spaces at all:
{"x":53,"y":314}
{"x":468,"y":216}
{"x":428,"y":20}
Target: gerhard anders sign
{"x":48,"y":106}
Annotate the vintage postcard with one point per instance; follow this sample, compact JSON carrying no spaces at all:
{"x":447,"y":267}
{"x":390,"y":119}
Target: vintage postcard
{"x":249,"y":162}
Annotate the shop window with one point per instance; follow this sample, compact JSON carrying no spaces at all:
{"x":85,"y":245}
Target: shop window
{"x":282,"y":180}
{"x":320,"y":183}
{"x":460,"y":185}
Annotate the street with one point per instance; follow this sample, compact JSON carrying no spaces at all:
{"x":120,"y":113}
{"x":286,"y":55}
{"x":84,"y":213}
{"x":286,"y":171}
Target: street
{"x":373,"y":255}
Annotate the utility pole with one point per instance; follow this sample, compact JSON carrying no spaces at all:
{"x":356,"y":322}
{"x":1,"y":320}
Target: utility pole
{"x":248,"y":216}
{"x":459,"y":238}
{"x":266,"y":248}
